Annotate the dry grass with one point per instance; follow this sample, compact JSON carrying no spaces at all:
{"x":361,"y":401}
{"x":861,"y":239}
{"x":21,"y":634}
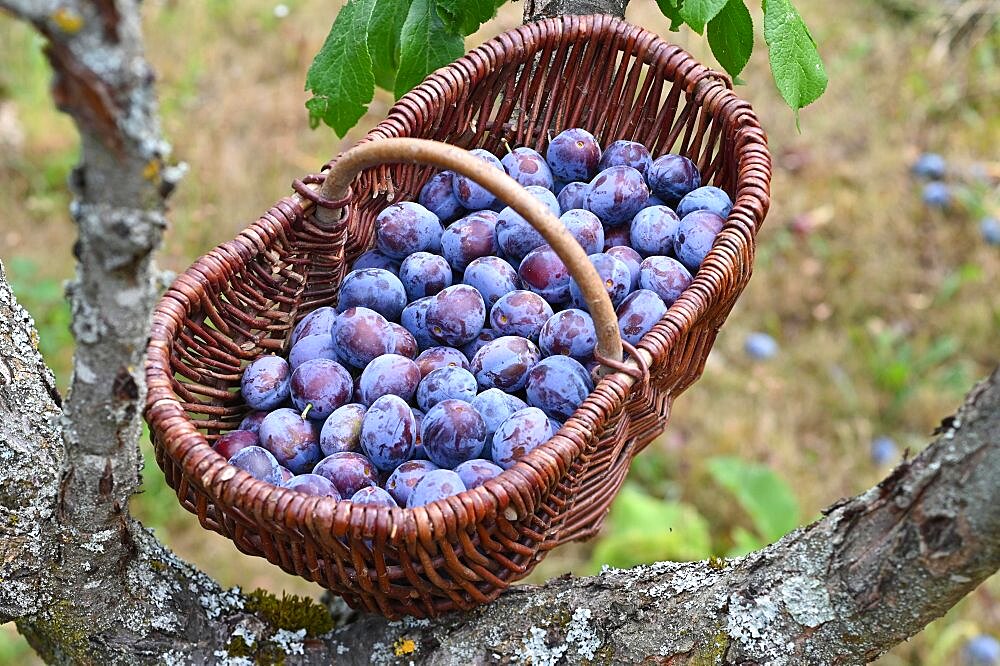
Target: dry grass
{"x":885,"y":312}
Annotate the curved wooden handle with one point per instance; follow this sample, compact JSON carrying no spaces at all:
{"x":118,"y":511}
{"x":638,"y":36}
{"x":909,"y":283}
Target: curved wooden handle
{"x":445,"y":156}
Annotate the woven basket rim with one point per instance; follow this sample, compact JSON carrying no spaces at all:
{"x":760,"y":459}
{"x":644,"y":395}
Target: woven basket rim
{"x":501,"y":495}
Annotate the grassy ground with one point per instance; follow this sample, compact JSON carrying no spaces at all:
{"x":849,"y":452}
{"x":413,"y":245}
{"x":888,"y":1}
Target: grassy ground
{"x":885,"y":311}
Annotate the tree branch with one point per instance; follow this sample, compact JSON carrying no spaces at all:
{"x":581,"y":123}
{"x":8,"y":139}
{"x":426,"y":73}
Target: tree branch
{"x":535,"y":10}
{"x":89,"y":585}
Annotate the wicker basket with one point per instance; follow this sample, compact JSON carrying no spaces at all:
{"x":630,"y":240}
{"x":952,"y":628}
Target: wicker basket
{"x":243,"y":299}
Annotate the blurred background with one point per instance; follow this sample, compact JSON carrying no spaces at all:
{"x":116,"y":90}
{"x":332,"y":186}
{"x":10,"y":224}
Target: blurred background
{"x":874,"y":306}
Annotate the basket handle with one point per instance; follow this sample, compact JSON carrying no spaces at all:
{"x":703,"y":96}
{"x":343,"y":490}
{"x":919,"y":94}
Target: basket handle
{"x":442,"y":155}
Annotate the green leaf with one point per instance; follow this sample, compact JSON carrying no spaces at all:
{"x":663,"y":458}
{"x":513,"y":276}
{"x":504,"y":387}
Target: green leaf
{"x":384,"y":29}
{"x":645,"y":529}
{"x":425,"y":45}
{"x":765,"y":497}
{"x":340,"y":77}
{"x":697,"y":13}
{"x":795,"y":62}
{"x":465,"y":16}
{"x":670,"y":9}
{"x":743,"y":542}
{"x":730,"y":34}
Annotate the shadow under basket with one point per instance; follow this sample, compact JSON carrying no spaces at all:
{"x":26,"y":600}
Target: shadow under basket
{"x":242,"y":300}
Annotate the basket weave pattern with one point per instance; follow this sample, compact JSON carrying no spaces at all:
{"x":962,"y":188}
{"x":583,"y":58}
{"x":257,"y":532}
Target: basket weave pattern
{"x":243,"y":299}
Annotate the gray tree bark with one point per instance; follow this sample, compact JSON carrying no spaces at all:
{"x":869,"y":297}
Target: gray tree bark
{"x":539,"y":9}
{"x":87,"y":584}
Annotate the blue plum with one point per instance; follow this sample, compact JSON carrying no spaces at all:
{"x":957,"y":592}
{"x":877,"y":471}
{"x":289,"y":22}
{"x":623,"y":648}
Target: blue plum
{"x":471,"y":194}
{"x":638,"y":313}
{"x":456,"y":315}
{"x":310,"y":348}
{"x":654,"y":231}
{"x":616,"y":278}
{"x":929,"y":165}
{"x":626,"y":153}
{"x":515,"y":235}
{"x":586,"y":228}
{"x":375,"y":259}
{"x":407,"y":227}
{"x":543,"y":272}
{"x":403,"y":342}
{"x":760,"y":346}
{"x":348,"y":471}
{"x":318,"y":322}
{"x":673,"y":176}
{"x":496,"y":406}
{"x":452,"y":432}
{"x":414,"y":320}
{"x":521,"y":313}
{"x":438,"y":196}
{"x":434,"y":486}
{"x":291,"y":439}
{"x":373,"y":288}
{"x":447,"y":383}
{"x":936,"y":194}
{"x":631,"y":258}
{"x":252,"y":421}
{"x":573,"y":196}
{"x":342,"y":429}
{"x":405,"y":477}
{"x":258,"y":463}
{"x":312,"y":484}
{"x":485,"y":335}
{"x":388,"y":432}
{"x":476,"y":472}
{"x":237,"y":440}
{"x":264,"y":384}
{"x":569,"y":333}
{"x":389,"y":374}
{"x":321,"y":386}
{"x":471,"y":237}
{"x":709,"y":198}
{"x":528,"y":167}
{"x":617,"y":194}
{"x":573,"y":154}
{"x":373,"y":495}
{"x":492,"y":277}
{"x":440,"y":357}
{"x":695,"y":235}
{"x":504,"y":363}
{"x":362,"y":335}
{"x":666,"y":276}
{"x":423,"y":274}
{"x":524,"y":431}
{"x":557,"y":385}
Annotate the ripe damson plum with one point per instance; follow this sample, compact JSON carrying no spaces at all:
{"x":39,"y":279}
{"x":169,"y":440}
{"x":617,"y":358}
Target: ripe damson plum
{"x":557,"y":385}
{"x":312,"y":484}
{"x":403,"y":342}
{"x":654,"y":230}
{"x":362,"y":335}
{"x":237,"y":440}
{"x":654,"y":200}
{"x":586,"y":228}
{"x":388,"y":432}
{"x":569,"y":333}
{"x":414,"y":320}
{"x":695,"y":236}
{"x":435,"y":485}
{"x":617,"y":194}
{"x":630,"y":258}
{"x":573,"y":154}
{"x":626,"y":153}
{"x":485,"y":335}
{"x":405,"y":477}
{"x":504,"y":363}
{"x":348,"y":471}
{"x":373,"y":495}
{"x":447,"y":383}
{"x":342,"y":429}
{"x":705,"y":198}
{"x":375,"y":259}
{"x":515,"y":235}
{"x":456,"y":315}
{"x":471,"y":194}
{"x":471,"y":237}
{"x":496,"y":406}
{"x":520,"y":313}
{"x":616,"y":278}
{"x":492,"y":277}
{"x":475,"y":473}
{"x":310,"y":348}
{"x":423,"y":274}
{"x":666,"y":276}
{"x":543,"y":272}
{"x":291,"y":439}
{"x":672,"y":176}
{"x":638,"y":313}
{"x":390,"y":374}
{"x":440,"y":357}
{"x":264,"y":384}
{"x":373,"y":288}
{"x":573,"y":196}
{"x":252,"y":421}
{"x":318,"y":322}
{"x":522,"y":432}
{"x":285,"y":474}
{"x":528,"y":167}
{"x":452,"y":432}
{"x":438,"y":196}
{"x":617,"y":236}
{"x":407,"y":227}
{"x":418,"y":446}
{"x":258,"y":463}
{"x":321,"y":385}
